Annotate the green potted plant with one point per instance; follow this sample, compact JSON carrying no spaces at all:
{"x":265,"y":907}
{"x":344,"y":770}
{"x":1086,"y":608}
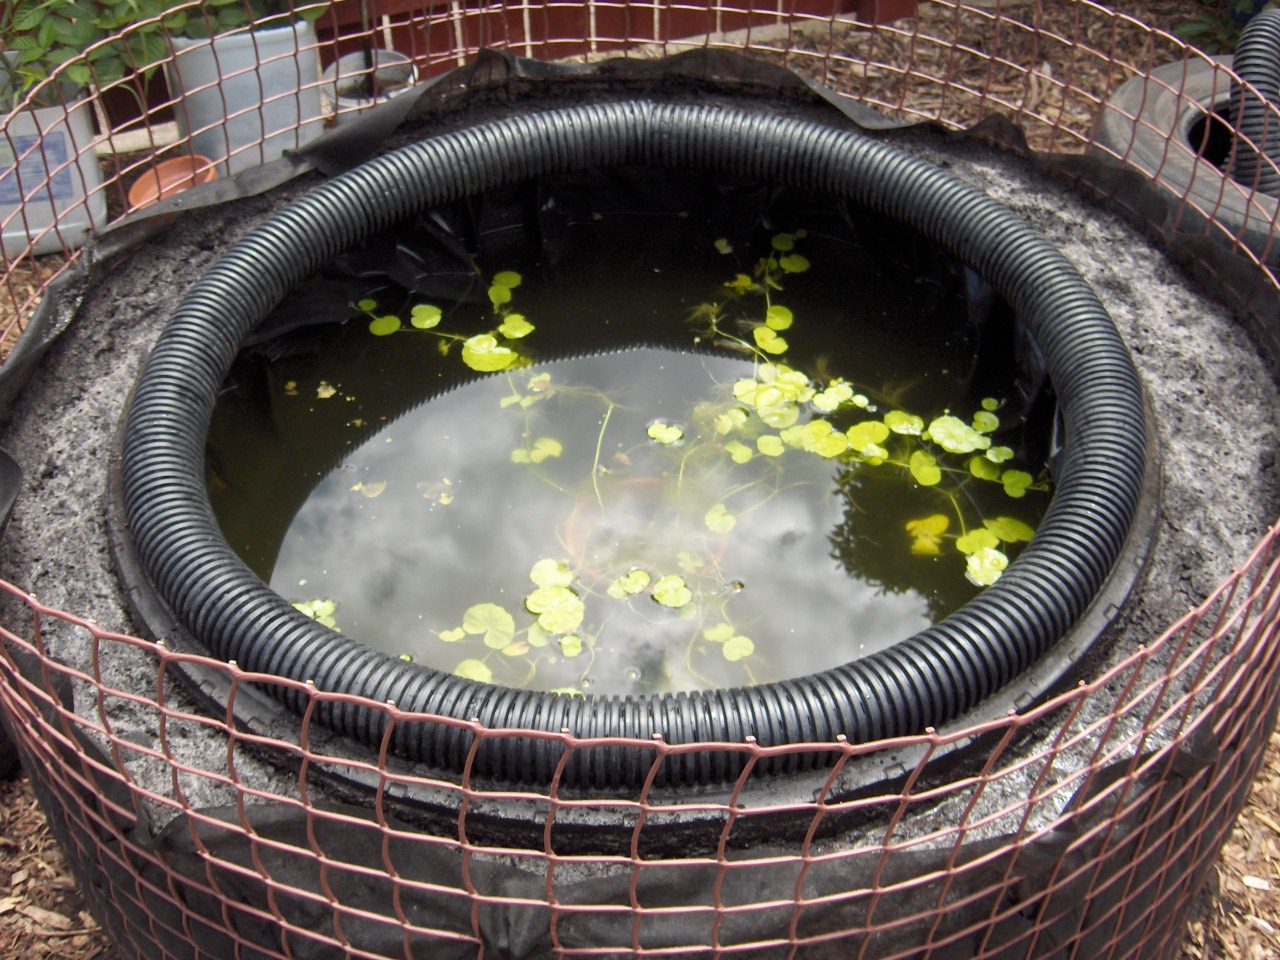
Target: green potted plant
{"x":246,"y":74}
{"x":50,"y":52}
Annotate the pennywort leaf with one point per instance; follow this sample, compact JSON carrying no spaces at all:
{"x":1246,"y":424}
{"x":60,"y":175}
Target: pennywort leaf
{"x":514,"y":326}
{"x":629,"y":584}
{"x":983,"y":468}
{"x":491,"y":622}
{"x":767,"y":339}
{"x":559,"y":609}
{"x":475,"y":670}
{"x":551,"y":573}
{"x":1016,"y":482}
{"x":1010,"y":529}
{"x":903,"y":423}
{"x":976,"y":540}
{"x":778,"y":317}
{"x":955,"y":436}
{"x":924,"y":468}
{"x":719,"y":633}
{"x":719,"y":520}
{"x":926,"y":534}
{"x":671,"y":591}
{"x":321,"y":610}
{"x":384,"y":326}
{"x":425,"y":316}
{"x":984,"y":567}
{"x":483,"y":353}
{"x":664,"y":433}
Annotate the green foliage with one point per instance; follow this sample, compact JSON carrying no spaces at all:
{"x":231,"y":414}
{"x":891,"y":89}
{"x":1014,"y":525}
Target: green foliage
{"x":320,"y":609}
{"x":221,"y":16}
{"x":488,"y":352}
{"x":43,"y":35}
{"x":1217,"y":29}
{"x":127,"y":37}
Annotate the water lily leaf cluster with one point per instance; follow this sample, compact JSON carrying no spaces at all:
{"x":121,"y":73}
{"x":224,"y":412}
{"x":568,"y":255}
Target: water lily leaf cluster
{"x":724,"y":460}
{"x":552,"y":619}
{"x":487,"y":352}
{"x":319,"y":609}
{"x":781,"y":411}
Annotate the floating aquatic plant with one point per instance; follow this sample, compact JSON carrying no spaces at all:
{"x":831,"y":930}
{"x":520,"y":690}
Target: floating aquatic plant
{"x":728,"y":458}
{"x":486,"y":352}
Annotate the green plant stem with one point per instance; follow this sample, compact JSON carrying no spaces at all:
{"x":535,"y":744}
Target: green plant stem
{"x":595,"y":464}
{"x":955,"y":507}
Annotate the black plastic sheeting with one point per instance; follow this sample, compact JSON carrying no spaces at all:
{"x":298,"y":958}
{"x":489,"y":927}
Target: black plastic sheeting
{"x":10,"y":484}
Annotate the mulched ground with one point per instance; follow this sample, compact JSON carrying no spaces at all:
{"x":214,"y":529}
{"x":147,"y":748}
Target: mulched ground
{"x":42,"y":916}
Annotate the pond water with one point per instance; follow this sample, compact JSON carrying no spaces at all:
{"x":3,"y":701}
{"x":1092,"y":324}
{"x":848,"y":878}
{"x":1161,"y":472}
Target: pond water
{"x":663,"y":460}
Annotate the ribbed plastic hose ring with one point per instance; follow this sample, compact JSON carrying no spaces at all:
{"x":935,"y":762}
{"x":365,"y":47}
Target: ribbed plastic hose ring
{"x":899,"y":691}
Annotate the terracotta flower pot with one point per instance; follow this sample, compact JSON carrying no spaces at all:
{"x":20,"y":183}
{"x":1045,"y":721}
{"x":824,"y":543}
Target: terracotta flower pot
{"x":169,"y":177}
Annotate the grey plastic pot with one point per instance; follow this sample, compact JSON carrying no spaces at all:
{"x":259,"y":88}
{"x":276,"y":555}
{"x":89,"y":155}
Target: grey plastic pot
{"x":247,"y":97}
{"x":345,"y":87}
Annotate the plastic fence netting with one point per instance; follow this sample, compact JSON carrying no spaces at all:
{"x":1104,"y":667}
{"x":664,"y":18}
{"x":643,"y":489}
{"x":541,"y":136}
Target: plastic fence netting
{"x":1084,"y":827}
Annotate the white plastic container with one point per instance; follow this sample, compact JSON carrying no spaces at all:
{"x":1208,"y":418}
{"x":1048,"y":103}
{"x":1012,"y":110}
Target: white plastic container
{"x":248,"y":97}
{"x":49,"y":174}
{"x":346,"y":90}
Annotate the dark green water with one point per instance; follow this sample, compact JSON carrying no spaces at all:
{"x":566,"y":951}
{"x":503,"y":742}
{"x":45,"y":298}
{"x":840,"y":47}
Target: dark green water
{"x":494,"y":523}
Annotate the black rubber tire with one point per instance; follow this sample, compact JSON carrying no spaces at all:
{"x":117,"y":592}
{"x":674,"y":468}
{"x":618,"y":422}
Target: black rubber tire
{"x":8,"y":754}
{"x":1150,"y":122}
{"x":10,"y":483}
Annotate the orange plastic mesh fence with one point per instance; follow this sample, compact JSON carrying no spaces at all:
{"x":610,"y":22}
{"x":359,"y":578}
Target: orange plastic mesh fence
{"x":1134,"y":782}
{"x":1091,"y":843}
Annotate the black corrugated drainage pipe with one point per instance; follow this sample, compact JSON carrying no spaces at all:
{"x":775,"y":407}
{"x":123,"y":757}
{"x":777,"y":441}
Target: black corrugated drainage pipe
{"x":1255,"y":153}
{"x":926,"y":680}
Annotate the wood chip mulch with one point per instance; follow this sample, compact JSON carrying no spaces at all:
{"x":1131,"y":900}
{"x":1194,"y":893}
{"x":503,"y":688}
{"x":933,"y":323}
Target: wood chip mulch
{"x":42,"y":916}
{"x":1237,"y":917}
{"x":19,"y":294}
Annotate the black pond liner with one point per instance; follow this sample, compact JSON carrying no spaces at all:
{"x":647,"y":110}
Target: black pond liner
{"x":986,"y":645}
